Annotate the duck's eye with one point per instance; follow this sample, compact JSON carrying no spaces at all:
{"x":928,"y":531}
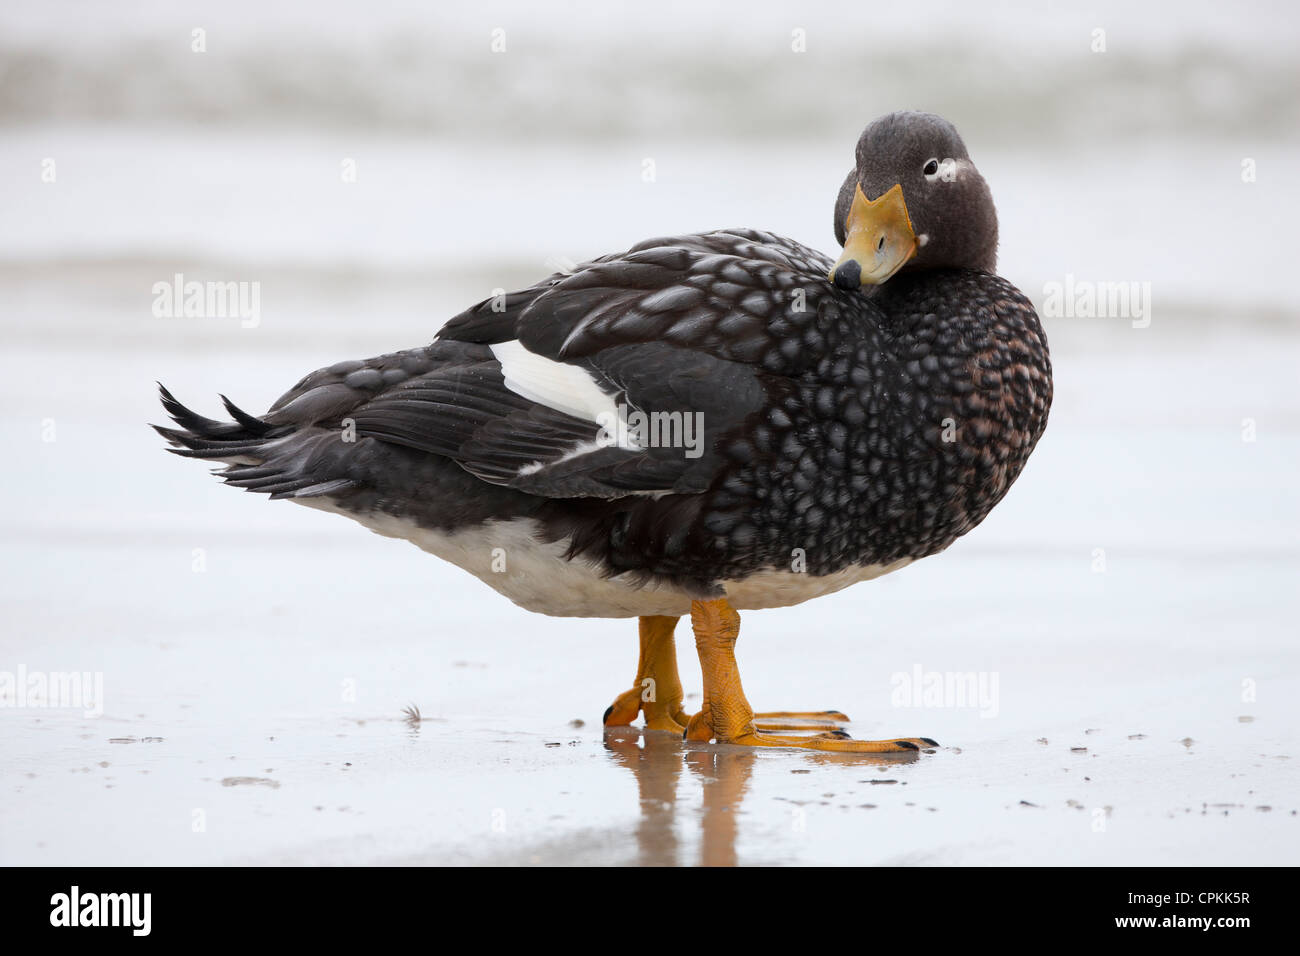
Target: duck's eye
{"x":931,"y":167}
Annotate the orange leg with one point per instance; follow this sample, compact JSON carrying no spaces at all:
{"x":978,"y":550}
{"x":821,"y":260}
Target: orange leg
{"x":726,"y":715}
{"x":657,"y":691}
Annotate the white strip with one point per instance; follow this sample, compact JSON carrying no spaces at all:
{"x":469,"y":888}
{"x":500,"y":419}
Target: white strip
{"x":563,"y":387}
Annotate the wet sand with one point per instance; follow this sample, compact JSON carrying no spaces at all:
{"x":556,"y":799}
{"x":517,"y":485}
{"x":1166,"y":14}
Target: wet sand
{"x":254,"y":708}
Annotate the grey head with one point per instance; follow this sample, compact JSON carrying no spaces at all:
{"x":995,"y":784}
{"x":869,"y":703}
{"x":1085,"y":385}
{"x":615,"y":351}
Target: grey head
{"x":913,"y":200}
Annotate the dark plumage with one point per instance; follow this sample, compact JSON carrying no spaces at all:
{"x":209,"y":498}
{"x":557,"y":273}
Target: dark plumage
{"x":862,"y":426}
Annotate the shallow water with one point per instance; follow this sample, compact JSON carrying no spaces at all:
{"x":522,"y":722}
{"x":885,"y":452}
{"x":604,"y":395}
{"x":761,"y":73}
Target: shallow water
{"x":265,"y":691}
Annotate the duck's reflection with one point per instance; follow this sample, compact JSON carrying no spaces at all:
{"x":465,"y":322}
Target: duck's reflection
{"x":657,"y":767}
{"x":723,"y":775}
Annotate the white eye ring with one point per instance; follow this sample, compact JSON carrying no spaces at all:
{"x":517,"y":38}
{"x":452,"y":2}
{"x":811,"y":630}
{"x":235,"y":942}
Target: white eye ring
{"x":931,"y":168}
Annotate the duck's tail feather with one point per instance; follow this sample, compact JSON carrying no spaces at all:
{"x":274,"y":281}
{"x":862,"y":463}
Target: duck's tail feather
{"x":284,"y":461}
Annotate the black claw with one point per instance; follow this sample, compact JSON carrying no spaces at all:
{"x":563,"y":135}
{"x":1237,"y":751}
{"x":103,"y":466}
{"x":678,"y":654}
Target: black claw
{"x":608,"y":710}
{"x":841,"y":734}
{"x":932,"y":743}
{"x":907,"y":745}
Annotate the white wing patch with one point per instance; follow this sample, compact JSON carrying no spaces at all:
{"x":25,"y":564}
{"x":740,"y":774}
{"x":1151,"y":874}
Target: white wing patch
{"x":565,"y":388}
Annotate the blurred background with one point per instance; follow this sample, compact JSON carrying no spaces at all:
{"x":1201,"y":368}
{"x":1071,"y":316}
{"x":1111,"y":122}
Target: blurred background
{"x":374,"y":170}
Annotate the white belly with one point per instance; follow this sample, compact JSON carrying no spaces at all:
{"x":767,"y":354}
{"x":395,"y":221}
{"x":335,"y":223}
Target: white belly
{"x":509,"y":557}
{"x":783,"y":588}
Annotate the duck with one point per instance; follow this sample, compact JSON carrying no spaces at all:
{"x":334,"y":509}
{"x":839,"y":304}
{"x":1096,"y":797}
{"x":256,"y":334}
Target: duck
{"x":702,"y":425}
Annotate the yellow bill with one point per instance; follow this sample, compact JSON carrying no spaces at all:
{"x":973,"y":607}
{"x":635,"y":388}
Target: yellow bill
{"x":878,"y":239}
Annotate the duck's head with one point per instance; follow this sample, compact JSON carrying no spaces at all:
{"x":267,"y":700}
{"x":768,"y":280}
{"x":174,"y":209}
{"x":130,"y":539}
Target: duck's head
{"x":914,"y":200}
